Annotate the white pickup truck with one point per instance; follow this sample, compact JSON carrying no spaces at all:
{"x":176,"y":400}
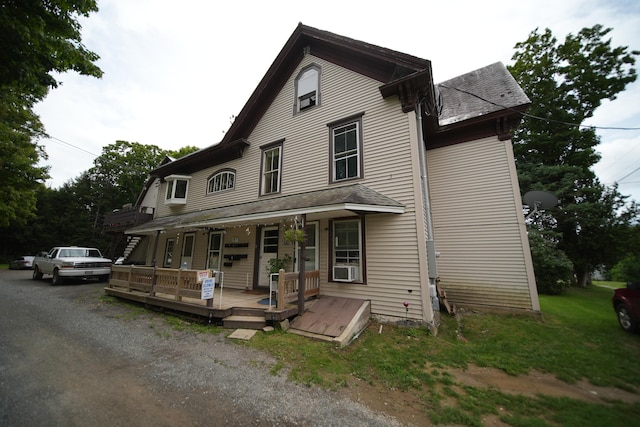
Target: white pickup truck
{"x":72,"y":261}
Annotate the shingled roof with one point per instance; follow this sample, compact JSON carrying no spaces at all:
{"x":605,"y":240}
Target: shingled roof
{"x":484,"y":91}
{"x":351,"y":198}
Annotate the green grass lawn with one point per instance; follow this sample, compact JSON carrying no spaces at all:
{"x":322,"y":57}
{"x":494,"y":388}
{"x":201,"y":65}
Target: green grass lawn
{"x":577,"y":337}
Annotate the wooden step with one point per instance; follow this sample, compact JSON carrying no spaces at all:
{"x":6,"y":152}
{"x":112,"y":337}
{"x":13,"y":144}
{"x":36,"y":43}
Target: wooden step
{"x":247,"y":311}
{"x":244,"y":322}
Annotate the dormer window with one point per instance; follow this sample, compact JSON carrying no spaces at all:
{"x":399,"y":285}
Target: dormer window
{"x":177,"y":189}
{"x":307,"y":88}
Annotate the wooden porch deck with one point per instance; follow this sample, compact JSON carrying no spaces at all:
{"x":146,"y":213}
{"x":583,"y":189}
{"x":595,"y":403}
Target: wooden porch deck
{"x":180,"y":290}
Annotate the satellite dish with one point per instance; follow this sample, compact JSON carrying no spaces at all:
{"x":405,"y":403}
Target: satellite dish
{"x":539,"y":200}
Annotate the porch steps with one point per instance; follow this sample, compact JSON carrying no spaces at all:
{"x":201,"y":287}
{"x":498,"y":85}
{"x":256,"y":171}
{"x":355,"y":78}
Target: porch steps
{"x":132,"y":242}
{"x":245,"y":318}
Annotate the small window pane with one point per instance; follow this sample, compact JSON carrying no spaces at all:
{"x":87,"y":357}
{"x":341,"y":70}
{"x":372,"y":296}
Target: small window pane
{"x":181,"y":189}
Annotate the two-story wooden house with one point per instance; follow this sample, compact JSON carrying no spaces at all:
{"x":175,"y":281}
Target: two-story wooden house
{"x":398,"y":181}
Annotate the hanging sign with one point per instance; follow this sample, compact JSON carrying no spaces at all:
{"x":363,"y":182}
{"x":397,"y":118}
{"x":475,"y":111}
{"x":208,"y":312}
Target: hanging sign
{"x":208,"y":285}
{"x":203,"y":275}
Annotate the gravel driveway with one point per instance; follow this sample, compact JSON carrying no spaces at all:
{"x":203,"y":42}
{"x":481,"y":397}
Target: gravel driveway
{"x":68,"y":358}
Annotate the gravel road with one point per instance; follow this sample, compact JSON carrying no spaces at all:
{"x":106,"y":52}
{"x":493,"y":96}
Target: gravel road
{"x":69,"y":359}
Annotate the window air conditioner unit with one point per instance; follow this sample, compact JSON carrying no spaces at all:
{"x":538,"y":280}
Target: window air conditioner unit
{"x":344,"y":273}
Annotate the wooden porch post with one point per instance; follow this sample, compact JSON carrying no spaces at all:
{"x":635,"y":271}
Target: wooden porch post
{"x":154,"y":261}
{"x":301,"y":263}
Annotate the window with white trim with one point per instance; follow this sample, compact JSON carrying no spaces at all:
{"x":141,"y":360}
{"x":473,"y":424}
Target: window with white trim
{"x":177,"y":189}
{"x":221,"y":181}
{"x":346,"y":151}
{"x":307,"y":86}
{"x":347,"y":247}
{"x":271,"y":165}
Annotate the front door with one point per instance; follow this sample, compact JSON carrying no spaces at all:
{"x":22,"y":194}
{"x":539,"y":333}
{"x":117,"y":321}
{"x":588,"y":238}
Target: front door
{"x":268,"y":251}
{"x":214,"y":255}
{"x":187,"y":250}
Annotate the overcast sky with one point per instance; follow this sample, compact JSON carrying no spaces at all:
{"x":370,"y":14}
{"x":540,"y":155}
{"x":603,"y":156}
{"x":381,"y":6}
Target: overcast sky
{"x":175,"y":72}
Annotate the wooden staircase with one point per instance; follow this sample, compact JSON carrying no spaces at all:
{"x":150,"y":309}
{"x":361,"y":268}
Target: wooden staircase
{"x":245,"y":318}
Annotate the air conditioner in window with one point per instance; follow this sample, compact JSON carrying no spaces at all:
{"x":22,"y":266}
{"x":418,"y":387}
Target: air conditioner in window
{"x":344,"y":273}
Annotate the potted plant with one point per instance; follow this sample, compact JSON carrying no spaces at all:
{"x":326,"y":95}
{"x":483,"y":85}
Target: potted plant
{"x":275,"y":264}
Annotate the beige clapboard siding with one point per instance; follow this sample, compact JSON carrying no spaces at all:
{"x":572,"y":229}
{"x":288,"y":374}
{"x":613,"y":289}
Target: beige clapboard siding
{"x":389,"y":167}
{"x":473,"y":196}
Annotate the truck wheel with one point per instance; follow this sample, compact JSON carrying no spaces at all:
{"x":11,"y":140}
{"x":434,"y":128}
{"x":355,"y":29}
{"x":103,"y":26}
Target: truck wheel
{"x":104,"y":278}
{"x":57,"y":280}
{"x":37,"y":275}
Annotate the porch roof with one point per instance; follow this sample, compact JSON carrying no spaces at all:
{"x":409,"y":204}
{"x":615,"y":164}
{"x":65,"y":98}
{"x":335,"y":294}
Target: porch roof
{"x":322,"y":203}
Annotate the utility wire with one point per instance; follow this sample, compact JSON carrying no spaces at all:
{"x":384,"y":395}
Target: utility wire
{"x":524,"y":114}
{"x":72,"y":146}
{"x":537,"y":117}
{"x":629,"y":174}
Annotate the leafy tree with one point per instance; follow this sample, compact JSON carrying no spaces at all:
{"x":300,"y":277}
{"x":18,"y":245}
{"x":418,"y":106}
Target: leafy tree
{"x":38,"y":38}
{"x":122,"y":169}
{"x":566,"y":82}
{"x":74,"y":213}
{"x":552,"y":267}
{"x":19,"y":174}
{"x":628,"y":269}
{"x":41,"y":37}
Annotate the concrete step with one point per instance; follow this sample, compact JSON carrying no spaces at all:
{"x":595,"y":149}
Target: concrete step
{"x":244,"y":322}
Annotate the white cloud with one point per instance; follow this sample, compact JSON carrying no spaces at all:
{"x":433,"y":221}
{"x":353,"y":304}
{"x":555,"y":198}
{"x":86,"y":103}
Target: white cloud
{"x":176,"y":72}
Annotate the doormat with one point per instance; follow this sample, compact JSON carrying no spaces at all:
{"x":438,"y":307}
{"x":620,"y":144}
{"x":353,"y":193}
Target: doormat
{"x":265,"y":301}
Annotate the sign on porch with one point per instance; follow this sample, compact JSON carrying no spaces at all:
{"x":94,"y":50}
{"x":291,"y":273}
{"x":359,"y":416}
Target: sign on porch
{"x":208,"y":285}
{"x":203,"y":275}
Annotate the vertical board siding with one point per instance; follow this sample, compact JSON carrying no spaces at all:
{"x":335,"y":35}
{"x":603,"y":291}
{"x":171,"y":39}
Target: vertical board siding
{"x":472,"y":195}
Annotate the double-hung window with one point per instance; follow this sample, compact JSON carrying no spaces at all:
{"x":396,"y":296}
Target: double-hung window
{"x":177,"y":189}
{"x":271,"y":169}
{"x":346,"y":150}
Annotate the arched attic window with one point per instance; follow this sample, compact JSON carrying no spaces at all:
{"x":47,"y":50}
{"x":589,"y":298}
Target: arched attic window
{"x":221,"y":180}
{"x":307,"y":88}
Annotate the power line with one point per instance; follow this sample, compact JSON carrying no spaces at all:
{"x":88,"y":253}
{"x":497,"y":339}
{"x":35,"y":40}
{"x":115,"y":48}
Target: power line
{"x":72,"y":146}
{"x":537,"y":117}
{"x":548,"y":120}
{"x":629,"y":174}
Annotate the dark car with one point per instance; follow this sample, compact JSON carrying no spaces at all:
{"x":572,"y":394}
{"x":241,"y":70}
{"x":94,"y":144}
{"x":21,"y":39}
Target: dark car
{"x":22,"y":263}
{"x":626,"y":303}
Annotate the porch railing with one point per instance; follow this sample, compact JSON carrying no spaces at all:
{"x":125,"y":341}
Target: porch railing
{"x":288,"y":286}
{"x":119,"y":220}
{"x":177,"y":283}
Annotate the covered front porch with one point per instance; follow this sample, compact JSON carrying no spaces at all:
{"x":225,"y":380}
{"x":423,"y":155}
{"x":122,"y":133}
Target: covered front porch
{"x":337,"y":320}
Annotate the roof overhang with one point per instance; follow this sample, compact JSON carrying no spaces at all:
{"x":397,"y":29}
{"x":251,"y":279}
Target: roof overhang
{"x":337,"y":202}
